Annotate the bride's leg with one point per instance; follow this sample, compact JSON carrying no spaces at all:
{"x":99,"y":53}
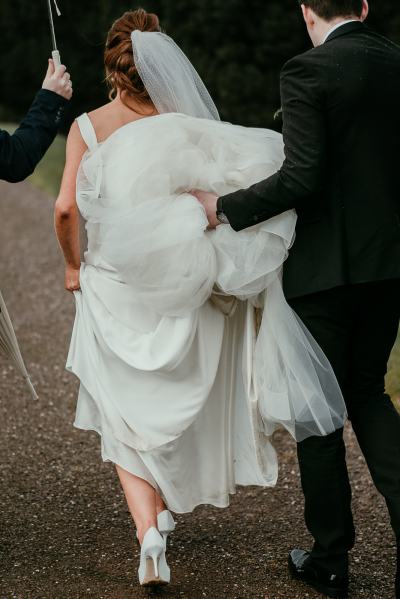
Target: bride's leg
{"x":142,"y":500}
{"x":144,"y":504}
{"x":160,"y":505}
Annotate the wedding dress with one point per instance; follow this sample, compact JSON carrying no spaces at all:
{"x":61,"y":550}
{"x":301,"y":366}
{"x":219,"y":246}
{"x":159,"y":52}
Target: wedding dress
{"x":173,"y":376}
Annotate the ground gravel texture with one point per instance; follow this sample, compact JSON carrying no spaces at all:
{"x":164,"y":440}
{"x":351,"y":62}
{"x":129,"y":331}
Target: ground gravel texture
{"x":65,"y":530}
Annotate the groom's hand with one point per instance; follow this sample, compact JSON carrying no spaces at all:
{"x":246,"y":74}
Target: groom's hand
{"x":209,"y":203}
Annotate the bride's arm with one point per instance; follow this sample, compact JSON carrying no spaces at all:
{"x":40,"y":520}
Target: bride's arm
{"x":66,"y":211}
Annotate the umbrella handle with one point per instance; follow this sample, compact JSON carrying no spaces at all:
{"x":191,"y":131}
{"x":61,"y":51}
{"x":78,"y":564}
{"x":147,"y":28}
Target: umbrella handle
{"x":56,"y":58}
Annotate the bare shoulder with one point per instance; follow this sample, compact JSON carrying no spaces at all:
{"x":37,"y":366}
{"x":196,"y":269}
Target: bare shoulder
{"x":99,"y":118}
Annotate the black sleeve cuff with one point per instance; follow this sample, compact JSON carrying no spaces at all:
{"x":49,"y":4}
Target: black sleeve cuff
{"x":220,"y":204}
{"x":51,"y":99}
{"x":52,"y":104}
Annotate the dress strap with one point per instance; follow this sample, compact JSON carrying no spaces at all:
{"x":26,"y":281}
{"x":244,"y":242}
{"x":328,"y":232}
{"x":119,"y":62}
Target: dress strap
{"x":87,"y":131}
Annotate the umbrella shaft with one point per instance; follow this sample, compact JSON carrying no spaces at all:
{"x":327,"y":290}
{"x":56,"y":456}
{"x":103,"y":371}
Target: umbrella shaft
{"x":52,"y":30}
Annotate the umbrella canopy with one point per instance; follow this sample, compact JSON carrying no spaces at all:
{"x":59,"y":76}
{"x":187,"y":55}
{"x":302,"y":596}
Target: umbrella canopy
{"x":9,"y":345}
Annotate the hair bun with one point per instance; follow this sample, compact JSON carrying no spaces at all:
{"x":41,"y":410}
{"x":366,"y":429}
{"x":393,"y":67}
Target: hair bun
{"x":121,"y":72}
{"x":144,"y":21}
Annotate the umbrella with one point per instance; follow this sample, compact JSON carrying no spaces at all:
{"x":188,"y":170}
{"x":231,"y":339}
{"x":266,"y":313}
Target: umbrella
{"x":9,"y":345}
{"x":55,"y":53}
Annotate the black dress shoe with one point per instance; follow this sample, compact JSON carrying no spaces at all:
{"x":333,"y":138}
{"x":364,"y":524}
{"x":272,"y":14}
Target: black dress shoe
{"x":304,"y":568}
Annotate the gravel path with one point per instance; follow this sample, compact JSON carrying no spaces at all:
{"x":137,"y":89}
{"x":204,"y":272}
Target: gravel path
{"x":65,"y":529}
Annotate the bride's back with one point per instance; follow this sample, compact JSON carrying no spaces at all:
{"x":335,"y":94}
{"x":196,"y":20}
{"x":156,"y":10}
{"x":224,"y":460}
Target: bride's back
{"x":116,"y":114}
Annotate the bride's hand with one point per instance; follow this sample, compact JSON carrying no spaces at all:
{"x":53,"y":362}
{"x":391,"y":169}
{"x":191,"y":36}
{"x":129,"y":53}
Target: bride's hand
{"x":72,"y":282}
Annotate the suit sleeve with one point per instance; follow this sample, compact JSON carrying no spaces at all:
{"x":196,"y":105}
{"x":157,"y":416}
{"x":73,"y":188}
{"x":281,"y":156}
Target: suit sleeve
{"x":21,"y":152}
{"x":304,"y":137}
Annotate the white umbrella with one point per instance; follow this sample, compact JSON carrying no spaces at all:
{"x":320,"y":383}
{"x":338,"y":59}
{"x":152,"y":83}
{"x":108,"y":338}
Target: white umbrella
{"x":9,"y":345}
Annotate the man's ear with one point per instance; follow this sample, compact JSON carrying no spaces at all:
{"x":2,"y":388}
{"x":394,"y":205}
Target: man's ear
{"x":308,"y":15}
{"x":365,"y":10}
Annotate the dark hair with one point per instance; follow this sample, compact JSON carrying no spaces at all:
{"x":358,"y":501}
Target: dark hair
{"x":121,"y":72}
{"x":329,"y":9}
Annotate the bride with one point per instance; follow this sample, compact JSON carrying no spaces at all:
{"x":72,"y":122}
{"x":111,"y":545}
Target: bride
{"x":183,"y":383}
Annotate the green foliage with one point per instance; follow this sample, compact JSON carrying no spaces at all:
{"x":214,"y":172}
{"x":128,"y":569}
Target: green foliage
{"x":393,"y":377}
{"x":238,"y":46}
{"x":48,"y":173}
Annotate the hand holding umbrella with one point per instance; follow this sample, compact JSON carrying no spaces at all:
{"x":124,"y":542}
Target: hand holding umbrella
{"x":57,"y":79}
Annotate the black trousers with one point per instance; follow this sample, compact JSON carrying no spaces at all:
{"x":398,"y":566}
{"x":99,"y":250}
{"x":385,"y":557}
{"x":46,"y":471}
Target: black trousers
{"x":356,"y":326}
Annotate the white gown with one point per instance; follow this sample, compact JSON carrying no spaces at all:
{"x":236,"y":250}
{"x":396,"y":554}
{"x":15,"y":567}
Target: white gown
{"x":164,"y":343}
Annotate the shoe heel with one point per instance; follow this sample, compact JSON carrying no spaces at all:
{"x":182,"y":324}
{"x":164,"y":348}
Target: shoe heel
{"x":166,"y":523}
{"x":155,"y":557}
{"x":152,"y":551}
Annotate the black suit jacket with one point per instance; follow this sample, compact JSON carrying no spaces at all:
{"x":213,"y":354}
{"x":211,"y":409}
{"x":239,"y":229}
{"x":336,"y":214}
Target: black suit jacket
{"x":22,"y":151}
{"x":341,"y":128}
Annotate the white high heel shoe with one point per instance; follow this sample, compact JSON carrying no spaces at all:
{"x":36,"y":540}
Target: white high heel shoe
{"x":153,"y":568}
{"x":166,"y":524}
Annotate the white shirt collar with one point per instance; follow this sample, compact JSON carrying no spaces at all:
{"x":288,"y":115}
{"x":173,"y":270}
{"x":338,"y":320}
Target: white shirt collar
{"x":337,"y":27}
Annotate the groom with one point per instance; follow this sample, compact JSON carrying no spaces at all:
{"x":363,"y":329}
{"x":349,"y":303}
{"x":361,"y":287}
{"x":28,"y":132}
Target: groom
{"x":341,"y":118}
